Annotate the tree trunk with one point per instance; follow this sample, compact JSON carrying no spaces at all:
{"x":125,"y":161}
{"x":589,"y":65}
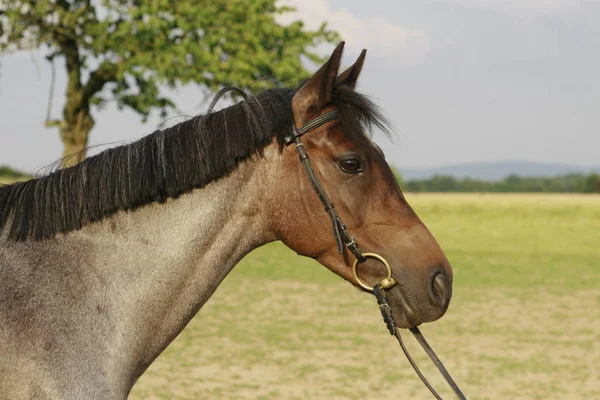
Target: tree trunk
{"x":74,"y":135}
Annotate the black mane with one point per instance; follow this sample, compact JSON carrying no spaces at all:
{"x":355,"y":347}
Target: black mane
{"x":164,"y":164}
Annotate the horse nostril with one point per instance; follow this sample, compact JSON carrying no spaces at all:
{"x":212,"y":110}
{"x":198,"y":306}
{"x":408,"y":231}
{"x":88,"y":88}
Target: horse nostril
{"x":438,"y":290}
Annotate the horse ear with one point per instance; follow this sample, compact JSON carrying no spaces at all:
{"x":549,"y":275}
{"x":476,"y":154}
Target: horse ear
{"x":350,"y":76}
{"x":316,"y":92}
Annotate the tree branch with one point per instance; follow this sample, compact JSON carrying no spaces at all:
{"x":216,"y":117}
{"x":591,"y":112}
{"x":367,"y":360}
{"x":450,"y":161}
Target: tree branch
{"x":50,"y":58}
{"x":53,"y":123}
{"x":105,"y":73}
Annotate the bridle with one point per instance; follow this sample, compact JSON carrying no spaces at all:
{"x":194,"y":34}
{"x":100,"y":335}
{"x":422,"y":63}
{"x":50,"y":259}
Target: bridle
{"x":345,"y":239}
{"x":341,"y":233}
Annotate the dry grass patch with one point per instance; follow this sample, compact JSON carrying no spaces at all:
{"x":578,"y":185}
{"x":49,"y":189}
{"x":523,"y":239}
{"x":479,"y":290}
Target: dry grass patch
{"x":298,"y":340}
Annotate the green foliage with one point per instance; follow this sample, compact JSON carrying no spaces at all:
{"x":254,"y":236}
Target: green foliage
{"x":592,"y":184}
{"x":10,"y":173}
{"x":136,"y":46}
{"x":124,"y":50}
{"x":571,"y":183}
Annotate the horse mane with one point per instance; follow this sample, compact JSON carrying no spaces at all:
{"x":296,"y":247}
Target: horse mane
{"x":164,"y":164}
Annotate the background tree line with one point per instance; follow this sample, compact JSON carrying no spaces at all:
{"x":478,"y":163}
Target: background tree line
{"x":570,"y":183}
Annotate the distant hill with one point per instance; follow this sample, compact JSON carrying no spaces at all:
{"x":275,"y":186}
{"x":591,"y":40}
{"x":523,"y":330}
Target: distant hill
{"x":496,"y":170}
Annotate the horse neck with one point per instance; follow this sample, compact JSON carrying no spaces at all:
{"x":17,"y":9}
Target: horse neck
{"x":162,"y":262}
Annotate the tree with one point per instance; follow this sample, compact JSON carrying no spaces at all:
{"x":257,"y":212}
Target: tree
{"x":592,"y":183}
{"x":125,"y":50}
{"x":570,"y":183}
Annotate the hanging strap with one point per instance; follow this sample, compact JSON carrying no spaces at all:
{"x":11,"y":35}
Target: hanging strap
{"x":388,"y":318}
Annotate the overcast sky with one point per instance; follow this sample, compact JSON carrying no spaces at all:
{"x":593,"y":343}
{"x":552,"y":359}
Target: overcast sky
{"x":461,"y":80}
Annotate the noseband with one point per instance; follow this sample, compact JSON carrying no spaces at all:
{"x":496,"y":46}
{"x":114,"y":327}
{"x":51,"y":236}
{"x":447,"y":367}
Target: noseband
{"x":345,"y":239}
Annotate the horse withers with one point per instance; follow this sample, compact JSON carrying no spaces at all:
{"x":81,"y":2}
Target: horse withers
{"x":103,"y":264}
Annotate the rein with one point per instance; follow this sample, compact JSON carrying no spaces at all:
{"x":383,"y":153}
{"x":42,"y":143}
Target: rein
{"x":345,"y":239}
{"x":388,"y":318}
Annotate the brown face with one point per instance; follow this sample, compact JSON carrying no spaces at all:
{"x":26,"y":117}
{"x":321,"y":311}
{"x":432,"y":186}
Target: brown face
{"x":361,"y":185}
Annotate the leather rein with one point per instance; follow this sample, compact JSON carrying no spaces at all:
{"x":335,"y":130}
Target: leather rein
{"x":345,"y":240}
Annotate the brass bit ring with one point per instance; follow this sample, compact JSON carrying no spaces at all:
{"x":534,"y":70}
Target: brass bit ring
{"x":387,"y":283}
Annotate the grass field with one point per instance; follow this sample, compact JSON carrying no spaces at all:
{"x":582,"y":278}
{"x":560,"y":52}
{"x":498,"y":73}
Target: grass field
{"x":524,"y":322}
{"x":7,"y":181}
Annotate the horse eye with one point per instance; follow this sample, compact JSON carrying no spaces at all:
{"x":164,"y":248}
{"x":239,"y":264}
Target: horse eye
{"x":351,"y":165}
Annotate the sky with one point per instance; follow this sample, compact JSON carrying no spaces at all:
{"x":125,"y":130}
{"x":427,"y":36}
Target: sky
{"x":461,"y":81}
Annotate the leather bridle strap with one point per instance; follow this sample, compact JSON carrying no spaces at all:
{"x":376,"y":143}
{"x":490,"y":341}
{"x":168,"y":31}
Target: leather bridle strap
{"x":342,"y":236}
{"x":388,"y":318}
{"x":436,"y":361}
{"x":315,"y":123}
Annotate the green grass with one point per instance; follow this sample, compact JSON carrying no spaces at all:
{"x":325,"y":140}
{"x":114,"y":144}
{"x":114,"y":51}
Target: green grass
{"x":517,"y":241}
{"x":524,"y":320}
{"x":510,"y":241}
{"x":8,"y":179}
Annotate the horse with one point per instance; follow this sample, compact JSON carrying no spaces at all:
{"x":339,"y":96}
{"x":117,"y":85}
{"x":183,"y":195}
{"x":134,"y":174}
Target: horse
{"x":104,"y":263}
